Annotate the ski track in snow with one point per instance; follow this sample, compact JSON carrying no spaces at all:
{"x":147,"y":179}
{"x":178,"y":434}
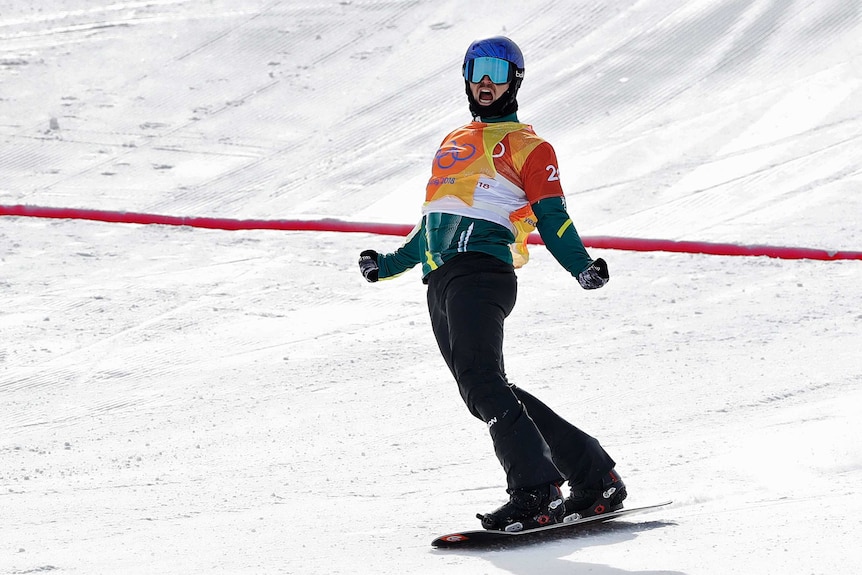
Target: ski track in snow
{"x":187,"y":401}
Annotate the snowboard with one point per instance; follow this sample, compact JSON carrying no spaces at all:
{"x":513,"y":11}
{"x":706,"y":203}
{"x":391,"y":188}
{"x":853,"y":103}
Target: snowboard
{"x":479,"y":537}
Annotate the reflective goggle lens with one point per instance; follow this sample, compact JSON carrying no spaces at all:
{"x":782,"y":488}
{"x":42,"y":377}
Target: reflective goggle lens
{"x":496,"y":69}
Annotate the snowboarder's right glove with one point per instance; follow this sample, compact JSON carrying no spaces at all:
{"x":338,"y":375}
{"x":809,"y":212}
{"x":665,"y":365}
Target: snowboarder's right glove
{"x":368,"y":265}
{"x":594,"y":276}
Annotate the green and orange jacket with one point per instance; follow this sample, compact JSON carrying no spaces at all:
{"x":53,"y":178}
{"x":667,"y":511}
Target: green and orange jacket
{"x":491,"y":184}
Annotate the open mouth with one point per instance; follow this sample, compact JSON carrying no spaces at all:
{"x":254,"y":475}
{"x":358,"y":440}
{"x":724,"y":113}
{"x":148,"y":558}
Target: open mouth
{"x":485,"y":96}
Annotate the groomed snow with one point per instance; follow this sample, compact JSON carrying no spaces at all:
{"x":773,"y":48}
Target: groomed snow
{"x":183,"y":401}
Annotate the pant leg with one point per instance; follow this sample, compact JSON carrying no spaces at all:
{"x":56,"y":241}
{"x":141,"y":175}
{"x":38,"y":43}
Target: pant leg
{"x":468,"y":300}
{"x":578,"y":456}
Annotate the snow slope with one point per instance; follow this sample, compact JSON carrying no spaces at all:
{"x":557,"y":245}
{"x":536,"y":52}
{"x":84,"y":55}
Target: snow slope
{"x":189,"y":401}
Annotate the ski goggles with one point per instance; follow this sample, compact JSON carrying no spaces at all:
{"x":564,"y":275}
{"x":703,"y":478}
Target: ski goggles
{"x":498,"y":71}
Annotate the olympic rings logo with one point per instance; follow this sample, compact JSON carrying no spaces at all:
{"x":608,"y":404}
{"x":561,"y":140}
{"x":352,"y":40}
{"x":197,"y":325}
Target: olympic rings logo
{"x":452,"y":153}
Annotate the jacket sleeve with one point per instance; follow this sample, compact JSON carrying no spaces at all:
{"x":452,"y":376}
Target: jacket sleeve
{"x":404,"y":258}
{"x":560,"y":236}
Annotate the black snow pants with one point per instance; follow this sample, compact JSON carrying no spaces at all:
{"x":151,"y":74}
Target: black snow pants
{"x":469,"y":297}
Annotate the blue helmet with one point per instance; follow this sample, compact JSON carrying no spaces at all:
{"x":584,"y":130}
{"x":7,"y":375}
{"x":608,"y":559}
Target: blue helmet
{"x":479,"y":61}
{"x":496,"y":47}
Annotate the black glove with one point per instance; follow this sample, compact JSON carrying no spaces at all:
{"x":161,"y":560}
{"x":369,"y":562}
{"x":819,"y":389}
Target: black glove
{"x":368,"y":265}
{"x":594,"y":276}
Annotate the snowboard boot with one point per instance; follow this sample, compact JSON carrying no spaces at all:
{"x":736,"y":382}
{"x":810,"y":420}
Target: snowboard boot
{"x":588,"y":501}
{"x":527,"y":509}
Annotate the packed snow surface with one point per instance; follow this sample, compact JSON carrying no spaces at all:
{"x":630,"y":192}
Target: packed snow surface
{"x":182,"y":401}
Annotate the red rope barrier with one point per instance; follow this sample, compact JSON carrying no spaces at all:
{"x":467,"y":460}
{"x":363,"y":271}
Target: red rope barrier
{"x":333,"y":225}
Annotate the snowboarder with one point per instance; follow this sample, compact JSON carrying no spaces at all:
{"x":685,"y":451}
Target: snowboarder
{"x":492,"y":182}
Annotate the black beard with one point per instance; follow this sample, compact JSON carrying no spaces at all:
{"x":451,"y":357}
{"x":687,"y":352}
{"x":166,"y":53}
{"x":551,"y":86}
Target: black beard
{"x":506,"y":104}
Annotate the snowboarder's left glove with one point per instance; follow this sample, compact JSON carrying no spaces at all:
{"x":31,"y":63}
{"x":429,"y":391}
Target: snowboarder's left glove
{"x":594,"y":276}
{"x":368,"y":265}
